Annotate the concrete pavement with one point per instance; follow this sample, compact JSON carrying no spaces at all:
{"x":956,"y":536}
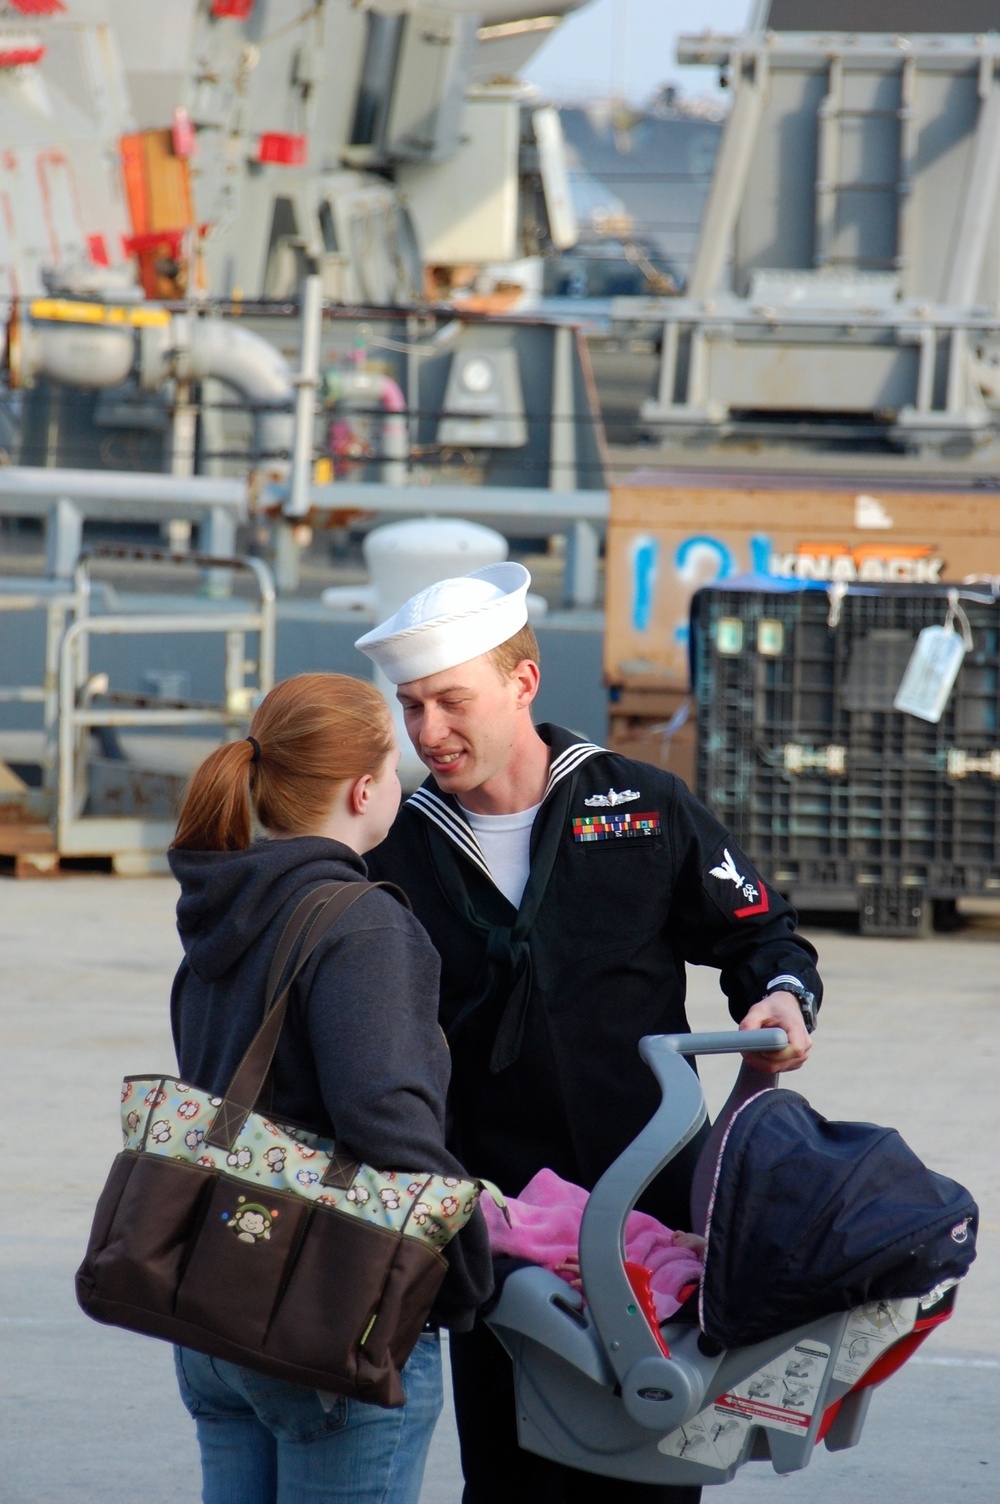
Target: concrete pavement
{"x":910,"y":1036}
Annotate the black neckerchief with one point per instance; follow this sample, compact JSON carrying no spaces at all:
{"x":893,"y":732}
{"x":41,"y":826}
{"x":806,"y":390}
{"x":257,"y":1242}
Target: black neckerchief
{"x":452,"y":845}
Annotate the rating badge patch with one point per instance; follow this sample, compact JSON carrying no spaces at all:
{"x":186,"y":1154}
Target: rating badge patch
{"x":734,"y":886}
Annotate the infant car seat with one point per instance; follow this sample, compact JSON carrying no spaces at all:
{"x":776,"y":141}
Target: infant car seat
{"x":601,"y":1386}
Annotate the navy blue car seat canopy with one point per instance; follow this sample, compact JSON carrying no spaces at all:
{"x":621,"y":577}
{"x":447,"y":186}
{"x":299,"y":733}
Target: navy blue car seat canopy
{"x":809,"y":1217}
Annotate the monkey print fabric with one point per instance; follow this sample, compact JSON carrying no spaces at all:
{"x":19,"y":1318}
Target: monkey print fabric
{"x":163,"y":1116}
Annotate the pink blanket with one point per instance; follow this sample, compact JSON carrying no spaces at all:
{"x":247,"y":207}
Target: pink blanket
{"x":545,"y":1229}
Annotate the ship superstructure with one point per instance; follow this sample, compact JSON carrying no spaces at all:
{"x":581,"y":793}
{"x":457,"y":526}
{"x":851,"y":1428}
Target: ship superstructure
{"x":224,"y":147}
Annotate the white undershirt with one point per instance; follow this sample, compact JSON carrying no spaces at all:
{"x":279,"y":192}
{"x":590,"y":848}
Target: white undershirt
{"x":505,"y":841}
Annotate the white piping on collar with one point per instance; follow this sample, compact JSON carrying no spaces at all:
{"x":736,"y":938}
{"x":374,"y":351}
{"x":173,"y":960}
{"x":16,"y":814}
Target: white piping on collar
{"x":460,"y":832}
{"x":567,"y":762}
{"x":455,"y":828}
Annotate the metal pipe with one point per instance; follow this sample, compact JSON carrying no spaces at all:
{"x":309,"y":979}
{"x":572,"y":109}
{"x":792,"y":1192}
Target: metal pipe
{"x":979,"y":207}
{"x":152,"y":716}
{"x":373,"y":386}
{"x":828,"y":166}
{"x":268,"y":624}
{"x":729,"y":180}
{"x":33,"y":602}
{"x":151,"y":626}
{"x":927,"y":341}
{"x":190,"y":348}
{"x":940,"y":52}
{"x":66,"y":496}
{"x":209,"y":348}
{"x":79,"y":355}
{"x":33,"y":491}
{"x":523,"y":503}
{"x":66,"y":730}
{"x":305,"y":398}
{"x":667,"y":379}
{"x":909,"y":145}
{"x":726,"y":312}
{"x":55,"y":626}
{"x":234,"y":660}
{"x":562,"y":419}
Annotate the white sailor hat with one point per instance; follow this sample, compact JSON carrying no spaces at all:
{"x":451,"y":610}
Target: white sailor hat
{"x":449,"y":623}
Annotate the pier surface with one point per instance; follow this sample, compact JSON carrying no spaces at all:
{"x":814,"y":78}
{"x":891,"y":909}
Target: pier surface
{"x":909,"y":1036}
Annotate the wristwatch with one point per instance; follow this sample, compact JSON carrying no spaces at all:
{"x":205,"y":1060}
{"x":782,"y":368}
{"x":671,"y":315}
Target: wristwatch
{"x":805,"y":999}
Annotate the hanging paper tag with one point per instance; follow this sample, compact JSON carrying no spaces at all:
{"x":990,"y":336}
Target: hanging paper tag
{"x":931,"y":673}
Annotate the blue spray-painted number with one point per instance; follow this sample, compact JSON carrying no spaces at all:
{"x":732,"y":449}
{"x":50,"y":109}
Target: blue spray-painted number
{"x":699,"y":551}
{"x":700,"y":560}
{"x":645,"y":554}
{"x":760,"y":553}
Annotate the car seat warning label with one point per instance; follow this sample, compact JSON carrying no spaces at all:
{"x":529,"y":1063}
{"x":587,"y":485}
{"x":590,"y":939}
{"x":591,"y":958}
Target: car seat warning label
{"x":870,"y":1330}
{"x":713,"y":1438}
{"x":783,"y":1394}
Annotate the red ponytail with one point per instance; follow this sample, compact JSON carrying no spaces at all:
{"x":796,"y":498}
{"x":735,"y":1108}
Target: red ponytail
{"x":314,"y":731}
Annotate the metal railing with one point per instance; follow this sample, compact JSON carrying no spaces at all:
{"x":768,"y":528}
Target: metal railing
{"x":65,"y":498}
{"x":59,"y":604}
{"x":80,"y":693}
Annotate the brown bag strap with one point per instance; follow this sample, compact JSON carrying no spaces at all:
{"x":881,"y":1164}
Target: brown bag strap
{"x":313,"y":918}
{"x":301,"y":915}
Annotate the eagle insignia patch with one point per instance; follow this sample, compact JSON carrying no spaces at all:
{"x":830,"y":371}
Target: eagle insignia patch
{"x":749,"y":892}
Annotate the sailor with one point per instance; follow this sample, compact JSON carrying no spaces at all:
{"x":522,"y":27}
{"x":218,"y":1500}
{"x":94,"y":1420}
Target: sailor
{"x":566,"y":888}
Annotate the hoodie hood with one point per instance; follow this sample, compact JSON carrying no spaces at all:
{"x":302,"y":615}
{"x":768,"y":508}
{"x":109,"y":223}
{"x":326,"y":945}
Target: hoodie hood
{"x":228,"y":898}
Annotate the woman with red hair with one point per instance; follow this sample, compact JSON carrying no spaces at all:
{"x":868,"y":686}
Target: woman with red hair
{"x":360,"y":1059}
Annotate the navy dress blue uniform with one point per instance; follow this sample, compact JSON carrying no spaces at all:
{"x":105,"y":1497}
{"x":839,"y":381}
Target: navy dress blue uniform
{"x":631,"y":879}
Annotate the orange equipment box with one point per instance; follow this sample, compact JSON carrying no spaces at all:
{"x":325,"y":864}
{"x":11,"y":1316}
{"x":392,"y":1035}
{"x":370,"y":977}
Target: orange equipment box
{"x":672,"y":531}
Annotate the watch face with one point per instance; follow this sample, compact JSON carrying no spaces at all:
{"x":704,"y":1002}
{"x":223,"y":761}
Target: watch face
{"x":806,"y":1001}
{"x":807,"y":1007}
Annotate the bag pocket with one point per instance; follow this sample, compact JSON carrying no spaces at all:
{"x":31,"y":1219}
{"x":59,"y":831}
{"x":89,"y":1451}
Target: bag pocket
{"x":244,"y":1247}
{"x":410,"y":1290}
{"x":145,"y":1221}
{"x":332,"y":1294}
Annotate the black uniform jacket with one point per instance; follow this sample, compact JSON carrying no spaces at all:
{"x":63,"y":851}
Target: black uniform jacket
{"x":544,"y":1006}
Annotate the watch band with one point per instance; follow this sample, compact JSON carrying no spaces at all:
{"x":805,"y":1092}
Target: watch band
{"x":805,"y":999}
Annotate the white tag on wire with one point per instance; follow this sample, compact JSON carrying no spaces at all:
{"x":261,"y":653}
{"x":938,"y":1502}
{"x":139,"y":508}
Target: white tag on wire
{"x":934,"y":664}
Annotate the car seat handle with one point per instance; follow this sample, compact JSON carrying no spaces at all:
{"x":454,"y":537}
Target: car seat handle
{"x":623,"y":1329}
{"x":728,"y":1042}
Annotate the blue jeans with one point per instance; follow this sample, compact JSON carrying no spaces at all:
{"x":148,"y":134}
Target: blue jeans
{"x":264,"y":1441}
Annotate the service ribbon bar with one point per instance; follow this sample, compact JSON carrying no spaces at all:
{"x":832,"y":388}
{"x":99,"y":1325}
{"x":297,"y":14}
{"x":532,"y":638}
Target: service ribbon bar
{"x":616,"y":827}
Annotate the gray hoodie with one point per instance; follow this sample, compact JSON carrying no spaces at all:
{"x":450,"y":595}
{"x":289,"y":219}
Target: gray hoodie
{"x":361,"y":1057}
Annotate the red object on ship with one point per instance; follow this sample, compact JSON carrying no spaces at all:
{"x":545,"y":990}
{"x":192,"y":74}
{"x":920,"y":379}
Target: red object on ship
{"x":37,"y":7}
{"x":182,"y":133}
{"x":237,"y":9}
{"x":282,"y":150}
{"x":98,"y":248}
{"x":19,"y":57}
{"x":170,"y":241}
